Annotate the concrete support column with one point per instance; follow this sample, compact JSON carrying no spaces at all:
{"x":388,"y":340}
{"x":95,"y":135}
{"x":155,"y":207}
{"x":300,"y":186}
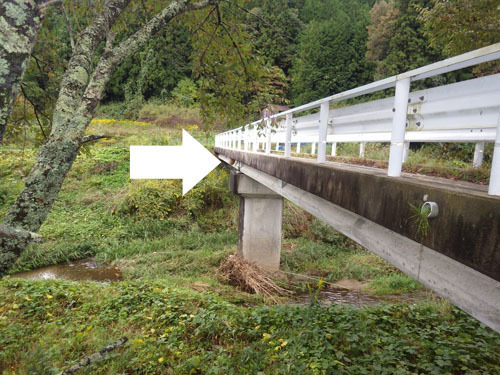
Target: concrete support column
{"x":259,"y":227}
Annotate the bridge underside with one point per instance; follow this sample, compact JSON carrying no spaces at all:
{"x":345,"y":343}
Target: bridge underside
{"x":460,"y":256}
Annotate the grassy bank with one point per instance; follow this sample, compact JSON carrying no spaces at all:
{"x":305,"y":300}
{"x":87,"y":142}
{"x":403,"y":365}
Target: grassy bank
{"x":179,"y":316}
{"x":47,"y":326}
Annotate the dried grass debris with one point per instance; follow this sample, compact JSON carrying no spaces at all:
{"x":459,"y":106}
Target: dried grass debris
{"x":249,"y":277}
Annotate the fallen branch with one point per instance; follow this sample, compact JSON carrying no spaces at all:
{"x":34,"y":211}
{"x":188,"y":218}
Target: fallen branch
{"x":21,"y":234}
{"x":95,"y":357}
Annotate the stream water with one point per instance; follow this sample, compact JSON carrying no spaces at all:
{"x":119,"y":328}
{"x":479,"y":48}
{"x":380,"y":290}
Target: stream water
{"x":90,"y":269}
{"x":86,"y":269}
{"x":344,"y":296}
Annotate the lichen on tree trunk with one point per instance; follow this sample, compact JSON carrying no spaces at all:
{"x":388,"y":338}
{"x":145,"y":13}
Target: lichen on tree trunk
{"x":80,"y":93}
{"x":20,"y":21}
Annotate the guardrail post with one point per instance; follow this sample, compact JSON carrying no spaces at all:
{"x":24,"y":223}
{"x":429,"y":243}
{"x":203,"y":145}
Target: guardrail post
{"x":277,"y":144}
{"x":406,"y":151}
{"x":478,"y":155}
{"x":288,"y":136}
{"x":298,"y":147}
{"x":323,"y":129}
{"x":399,"y":127}
{"x":245,"y":138}
{"x":255,"y":143}
{"x":313,"y":148}
{"x":268,"y":136}
{"x":334,"y":148}
{"x":494,"y":188}
{"x":362,"y":149}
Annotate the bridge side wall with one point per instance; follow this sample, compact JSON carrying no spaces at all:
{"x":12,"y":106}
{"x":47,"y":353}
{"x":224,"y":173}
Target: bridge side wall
{"x":467,"y":228}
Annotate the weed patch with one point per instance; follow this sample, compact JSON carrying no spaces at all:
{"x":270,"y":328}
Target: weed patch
{"x":392,"y":284}
{"x":51,"y":325}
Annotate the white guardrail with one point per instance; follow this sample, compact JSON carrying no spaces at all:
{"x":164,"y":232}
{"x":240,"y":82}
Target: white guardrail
{"x":467,"y":111}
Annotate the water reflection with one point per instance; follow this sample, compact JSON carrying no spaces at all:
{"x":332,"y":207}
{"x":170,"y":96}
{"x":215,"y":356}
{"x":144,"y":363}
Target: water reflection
{"x":357,"y":298}
{"x":87,"y":269}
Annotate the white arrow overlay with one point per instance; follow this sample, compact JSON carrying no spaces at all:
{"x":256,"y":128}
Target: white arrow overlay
{"x":189,"y":162}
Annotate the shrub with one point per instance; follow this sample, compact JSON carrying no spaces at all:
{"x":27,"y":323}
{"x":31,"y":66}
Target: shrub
{"x":186,"y":92}
{"x":210,"y":203}
{"x":155,"y":199}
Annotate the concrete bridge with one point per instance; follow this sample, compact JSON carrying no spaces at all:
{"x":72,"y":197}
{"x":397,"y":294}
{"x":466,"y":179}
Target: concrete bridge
{"x":459,"y":257}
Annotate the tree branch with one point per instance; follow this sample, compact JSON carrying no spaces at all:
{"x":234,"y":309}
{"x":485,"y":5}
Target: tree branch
{"x":76,"y":77}
{"x":48,"y":4}
{"x":235,"y":45}
{"x":201,"y":4}
{"x":204,"y":21}
{"x":9,"y":232}
{"x":76,"y":18}
{"x":113,"y":56}
{"x":137,"y":40}
{"x":35,"y":110}
{"x":92,"y":137}
{"x":68,"y":26}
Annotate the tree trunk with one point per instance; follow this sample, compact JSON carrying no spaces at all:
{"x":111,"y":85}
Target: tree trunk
{"x":78,"y":98}
{"x":20,"y":21}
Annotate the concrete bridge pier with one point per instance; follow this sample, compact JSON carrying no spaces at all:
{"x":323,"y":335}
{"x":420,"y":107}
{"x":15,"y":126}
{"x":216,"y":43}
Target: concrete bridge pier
{"x":261,"y":211}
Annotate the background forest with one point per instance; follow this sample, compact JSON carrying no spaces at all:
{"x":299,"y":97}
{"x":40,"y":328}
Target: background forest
{"x":285,"y":52}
